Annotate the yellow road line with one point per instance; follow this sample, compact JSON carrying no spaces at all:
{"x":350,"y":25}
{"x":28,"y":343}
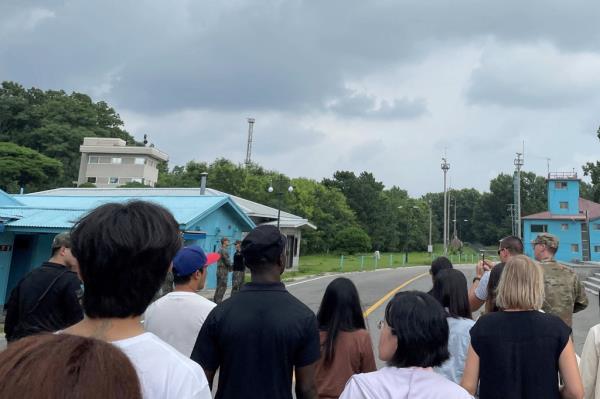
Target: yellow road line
{"x":391,"y":293}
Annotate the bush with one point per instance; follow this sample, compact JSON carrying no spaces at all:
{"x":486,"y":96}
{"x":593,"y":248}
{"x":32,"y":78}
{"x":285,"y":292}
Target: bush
{"x":87,"y":185}
{"x":352,"y":240}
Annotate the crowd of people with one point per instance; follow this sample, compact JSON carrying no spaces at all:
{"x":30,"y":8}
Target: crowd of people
{"x":87,"y":324}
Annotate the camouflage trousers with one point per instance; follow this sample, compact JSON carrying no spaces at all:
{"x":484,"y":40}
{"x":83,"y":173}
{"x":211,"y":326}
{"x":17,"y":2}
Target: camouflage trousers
{"x":238,"y":281}
{"x":222,"y":273}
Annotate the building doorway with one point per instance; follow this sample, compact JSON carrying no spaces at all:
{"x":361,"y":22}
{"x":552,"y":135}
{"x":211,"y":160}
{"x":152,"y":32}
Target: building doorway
{"x":20,"y":264}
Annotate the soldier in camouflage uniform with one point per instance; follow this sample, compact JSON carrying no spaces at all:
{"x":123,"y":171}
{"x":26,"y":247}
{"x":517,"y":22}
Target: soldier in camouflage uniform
{"x":223,"y":269}
{"x":564,"y":293}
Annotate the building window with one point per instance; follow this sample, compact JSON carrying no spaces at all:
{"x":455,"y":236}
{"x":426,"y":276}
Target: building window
{"x":574,"y":247}
{"x":596,"y":226}
{"x":539,"y":228}
{"x":104,"y":159}
{"x":137,"y":180}
{"x":560,"y":185}
{"x":91,"y":180}
{"x":127,"y":160}
{"x":596,"y":248}
{"x":116,"y":160}
{"x":564,"y":226}
{"x":113,"y":180}
{"x":93,"y":159}
{"x":140,"y":161}
{"x":564,"y":205}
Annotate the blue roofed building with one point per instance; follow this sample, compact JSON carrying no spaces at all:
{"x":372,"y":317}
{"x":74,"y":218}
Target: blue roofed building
{"x":574,"y":220}
{"x":28,"y":223}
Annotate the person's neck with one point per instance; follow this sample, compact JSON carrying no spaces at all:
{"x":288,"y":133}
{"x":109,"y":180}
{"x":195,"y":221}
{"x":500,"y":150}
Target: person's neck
{"x":108,"y":329}
{"x":185,"y":288}
{"x":265,"y":278}
{"x":57,"y":261}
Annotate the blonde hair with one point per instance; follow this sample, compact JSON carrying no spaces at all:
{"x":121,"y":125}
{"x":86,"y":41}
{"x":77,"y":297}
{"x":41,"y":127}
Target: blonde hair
{"x":521,"y":285}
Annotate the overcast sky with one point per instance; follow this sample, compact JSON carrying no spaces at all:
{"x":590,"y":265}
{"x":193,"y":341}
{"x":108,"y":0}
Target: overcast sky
{"x":384,"y":86}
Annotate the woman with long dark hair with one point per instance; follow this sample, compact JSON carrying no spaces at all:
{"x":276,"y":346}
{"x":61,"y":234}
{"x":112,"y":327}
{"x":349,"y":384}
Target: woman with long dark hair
{"x":345,"y":342}
{"x":450,"y":290}
{"x":413,"y":339}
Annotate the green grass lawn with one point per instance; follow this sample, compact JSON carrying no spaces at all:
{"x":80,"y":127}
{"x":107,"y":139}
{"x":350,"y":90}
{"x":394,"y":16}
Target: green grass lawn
{"x":328,"y":263}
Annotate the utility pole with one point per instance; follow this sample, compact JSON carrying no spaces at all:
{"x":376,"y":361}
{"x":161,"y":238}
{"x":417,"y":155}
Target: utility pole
{"x":445,"y":168}
{"x":249,"y":145}
{"x":519,"y":161}
{"x":511,"y":209}
{"x":430,"y":246}
{"x":454,"y":235}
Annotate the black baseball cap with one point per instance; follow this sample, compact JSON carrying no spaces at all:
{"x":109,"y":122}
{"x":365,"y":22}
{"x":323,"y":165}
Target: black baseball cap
{"x":264,"y":243}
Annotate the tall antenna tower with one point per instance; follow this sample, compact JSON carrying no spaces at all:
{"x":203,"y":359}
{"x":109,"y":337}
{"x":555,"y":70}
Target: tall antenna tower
{"x":519,"y":161}
{"x":249,"y":146}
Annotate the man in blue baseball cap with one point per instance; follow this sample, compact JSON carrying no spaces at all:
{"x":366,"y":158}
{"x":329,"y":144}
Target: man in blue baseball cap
{"x":177,"y":317}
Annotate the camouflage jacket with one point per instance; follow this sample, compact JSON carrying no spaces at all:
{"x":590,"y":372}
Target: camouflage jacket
{"x":224,"y":260}
{"x":564,"y":293}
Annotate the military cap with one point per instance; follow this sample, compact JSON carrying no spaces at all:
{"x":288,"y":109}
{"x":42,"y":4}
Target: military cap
{"x":264,"y":242}
{"x":547,"y":239}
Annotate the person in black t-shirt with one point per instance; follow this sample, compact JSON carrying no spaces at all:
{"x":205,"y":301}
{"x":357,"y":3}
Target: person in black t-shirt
{"x":46,"y":299}
{"x":239,"y":268}
{"x":518,"y":352}
{"x":259,"y":337}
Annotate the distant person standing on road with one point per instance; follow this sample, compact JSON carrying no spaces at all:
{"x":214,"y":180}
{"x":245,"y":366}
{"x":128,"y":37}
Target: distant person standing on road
{"x":223,"y":269}
{"x":346,"y":347}
{"x":176,"y":318}
{"x":46,"y":299}
{"x":565,"y":294}
{"x":239,"y":268}
{"x":262,"y":335}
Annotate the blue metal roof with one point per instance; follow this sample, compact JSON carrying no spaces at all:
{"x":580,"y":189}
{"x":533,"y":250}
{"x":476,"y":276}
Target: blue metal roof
{"x":61,"y":212}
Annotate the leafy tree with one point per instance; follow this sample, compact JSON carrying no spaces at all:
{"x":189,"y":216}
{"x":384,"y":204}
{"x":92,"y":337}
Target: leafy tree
{"x":54,"y":124}
{"x":351,"y":240}
{"x":134,"y":184}
{"x":24,"y":167}
{"x":87,"y":185}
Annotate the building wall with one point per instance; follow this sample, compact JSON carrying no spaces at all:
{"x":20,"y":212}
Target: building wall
{"x":224,"y":222}
{"x":570,"y":195}
{"x":6,"y":238}
{"x":103,"y":171}
{"x":293,"y":247}
{"x":595,"y":240}
{"x":566,"y":238}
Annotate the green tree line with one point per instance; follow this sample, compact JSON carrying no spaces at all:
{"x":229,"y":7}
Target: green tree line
{"x":41,"y":131}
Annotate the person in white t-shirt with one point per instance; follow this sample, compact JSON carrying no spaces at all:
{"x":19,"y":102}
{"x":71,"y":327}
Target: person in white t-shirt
{"x":177,"y":317}
{"x":124,"y":252}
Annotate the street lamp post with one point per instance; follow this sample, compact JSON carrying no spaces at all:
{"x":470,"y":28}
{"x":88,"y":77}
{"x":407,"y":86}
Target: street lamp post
{"x":279,"y":194}
{"x":406,"y":241}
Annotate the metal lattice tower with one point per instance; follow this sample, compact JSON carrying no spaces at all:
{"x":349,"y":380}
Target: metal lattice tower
{"x":249,"y":146}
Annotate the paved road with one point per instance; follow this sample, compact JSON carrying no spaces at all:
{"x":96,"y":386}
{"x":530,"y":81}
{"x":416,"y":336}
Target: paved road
{"x":374,"y":285}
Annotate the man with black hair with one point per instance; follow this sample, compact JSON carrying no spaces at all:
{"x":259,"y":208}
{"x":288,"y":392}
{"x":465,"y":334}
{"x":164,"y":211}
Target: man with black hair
{"x":46,"y":299}
{"x":563,"y":292}
{"x":124,"y":252}
{"x":508,"y":246}
{"x":239,"y":268}
{"x":176,"y":318}
{"x":261,"y":336}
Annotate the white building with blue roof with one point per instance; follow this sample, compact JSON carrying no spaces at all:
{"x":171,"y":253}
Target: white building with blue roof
{"x":28,"y":223}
